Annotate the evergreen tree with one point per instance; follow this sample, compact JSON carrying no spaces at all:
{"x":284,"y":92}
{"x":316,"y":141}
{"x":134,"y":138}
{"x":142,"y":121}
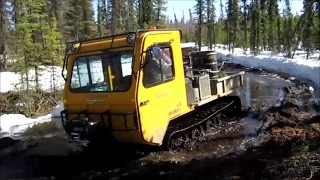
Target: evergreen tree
{"x":211,"y":23}
{"x":101,"y":24}
{"x":191,"y":30}
{"x":234,"y":17}
{"x":87,"y":22}
{"x":279,"y":31}
{"x":245,"y":24}
{"x":176,"y":22}
{"x":159,"y":16}
{"x":272,"y":14}
{"x":5,"y":33}
{"x":146,"y":11}
{"x":221,"y":34}
{"x":288,"y":33}
{"x":254,"y":28}
{"x":200,"y":19}
{"x":263,"y":24}
{"x":308,"y":31}
{"x":132,"y":14}
{"x":258,"y":27}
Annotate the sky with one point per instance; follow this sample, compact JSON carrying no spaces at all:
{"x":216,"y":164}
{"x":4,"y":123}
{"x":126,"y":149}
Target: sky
{"x":178,"y":6}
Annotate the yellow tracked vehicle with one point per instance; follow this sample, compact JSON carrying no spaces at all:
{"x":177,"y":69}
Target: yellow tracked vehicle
{"x":137,"y":88}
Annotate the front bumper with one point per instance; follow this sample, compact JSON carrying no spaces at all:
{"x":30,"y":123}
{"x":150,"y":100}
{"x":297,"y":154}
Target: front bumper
{"x":81,"y":130}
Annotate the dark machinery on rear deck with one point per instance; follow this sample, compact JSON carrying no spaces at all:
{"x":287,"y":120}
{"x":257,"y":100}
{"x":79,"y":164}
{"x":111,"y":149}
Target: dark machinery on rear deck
{"x":137,"y":88}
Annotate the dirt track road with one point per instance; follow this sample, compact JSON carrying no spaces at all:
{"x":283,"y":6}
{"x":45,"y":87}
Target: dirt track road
{"x":244,"y":150}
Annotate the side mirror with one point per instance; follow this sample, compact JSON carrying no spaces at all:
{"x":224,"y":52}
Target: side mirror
{"x":130,"y":38}
{"x":153,"y":54}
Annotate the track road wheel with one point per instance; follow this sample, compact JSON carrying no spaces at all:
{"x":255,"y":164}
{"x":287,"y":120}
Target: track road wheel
{"x":209,"y":125}
{"x":216,"y":120}
{"x":202,"y":129}
{"x":195,"y":132}
{"x":186,"y":136}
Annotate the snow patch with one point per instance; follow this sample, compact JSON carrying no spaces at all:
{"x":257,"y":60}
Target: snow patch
{"x":189,"y":44}
{"x":12,"y":124}
{"x":49,"y":78}
{"x":7,"y":81}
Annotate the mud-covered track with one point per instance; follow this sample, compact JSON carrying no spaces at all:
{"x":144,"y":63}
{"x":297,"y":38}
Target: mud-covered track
{"x":203,"y":119}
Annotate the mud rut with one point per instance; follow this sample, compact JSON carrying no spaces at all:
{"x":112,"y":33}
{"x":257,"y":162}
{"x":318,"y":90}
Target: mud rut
{"x":283,"y":145}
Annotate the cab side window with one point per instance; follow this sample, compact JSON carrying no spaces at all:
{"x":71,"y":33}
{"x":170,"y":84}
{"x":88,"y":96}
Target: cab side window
{"x":159,"y":68}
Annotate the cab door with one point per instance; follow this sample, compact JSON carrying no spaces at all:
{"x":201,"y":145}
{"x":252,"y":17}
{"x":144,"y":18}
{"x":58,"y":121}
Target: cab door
{"x":161,"y":89}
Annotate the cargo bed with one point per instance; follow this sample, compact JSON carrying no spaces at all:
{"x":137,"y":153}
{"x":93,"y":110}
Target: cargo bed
{"x":224,"y":86}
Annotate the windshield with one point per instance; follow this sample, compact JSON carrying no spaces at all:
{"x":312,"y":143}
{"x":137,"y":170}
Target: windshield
{"x":102,"y":73}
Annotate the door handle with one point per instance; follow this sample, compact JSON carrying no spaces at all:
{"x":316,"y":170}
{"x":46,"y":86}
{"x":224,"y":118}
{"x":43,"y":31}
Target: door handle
{"x":144,"y":103}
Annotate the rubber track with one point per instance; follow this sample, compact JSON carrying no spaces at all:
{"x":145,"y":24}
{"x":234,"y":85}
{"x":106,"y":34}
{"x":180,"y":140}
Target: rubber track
{"x":200,"y":118}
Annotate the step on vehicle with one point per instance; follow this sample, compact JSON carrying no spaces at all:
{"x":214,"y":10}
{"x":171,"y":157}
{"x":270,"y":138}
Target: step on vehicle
{"x":141,"y":88}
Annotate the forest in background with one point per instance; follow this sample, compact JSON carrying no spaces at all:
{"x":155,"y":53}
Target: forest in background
{"x":38,"y":29}
{"x":34,"y":32}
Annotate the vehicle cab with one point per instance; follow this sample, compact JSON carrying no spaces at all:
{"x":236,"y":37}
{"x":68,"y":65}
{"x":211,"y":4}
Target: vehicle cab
{"x":108,"y":81}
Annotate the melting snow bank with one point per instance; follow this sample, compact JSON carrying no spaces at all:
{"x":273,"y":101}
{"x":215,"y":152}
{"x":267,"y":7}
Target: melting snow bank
{"x":15,"y":124}
{"x":299,"y":67}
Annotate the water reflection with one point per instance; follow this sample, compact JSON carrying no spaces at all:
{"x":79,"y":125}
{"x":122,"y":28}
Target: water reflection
{"x":247,"y":87}
{"x":262,"y":89}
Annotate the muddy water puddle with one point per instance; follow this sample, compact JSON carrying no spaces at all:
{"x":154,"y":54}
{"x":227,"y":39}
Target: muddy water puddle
{"x":266,"y":89}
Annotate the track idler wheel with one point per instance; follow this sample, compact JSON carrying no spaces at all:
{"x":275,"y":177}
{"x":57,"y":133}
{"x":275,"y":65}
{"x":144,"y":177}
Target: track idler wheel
{"x":175,"y":142}
{"x":170,"y":146}
{"x":235,"y":109}
{"x":237,"y":106}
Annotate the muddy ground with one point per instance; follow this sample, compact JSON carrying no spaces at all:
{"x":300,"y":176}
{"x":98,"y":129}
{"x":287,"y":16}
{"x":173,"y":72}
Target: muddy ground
{"x":278,"y":138}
